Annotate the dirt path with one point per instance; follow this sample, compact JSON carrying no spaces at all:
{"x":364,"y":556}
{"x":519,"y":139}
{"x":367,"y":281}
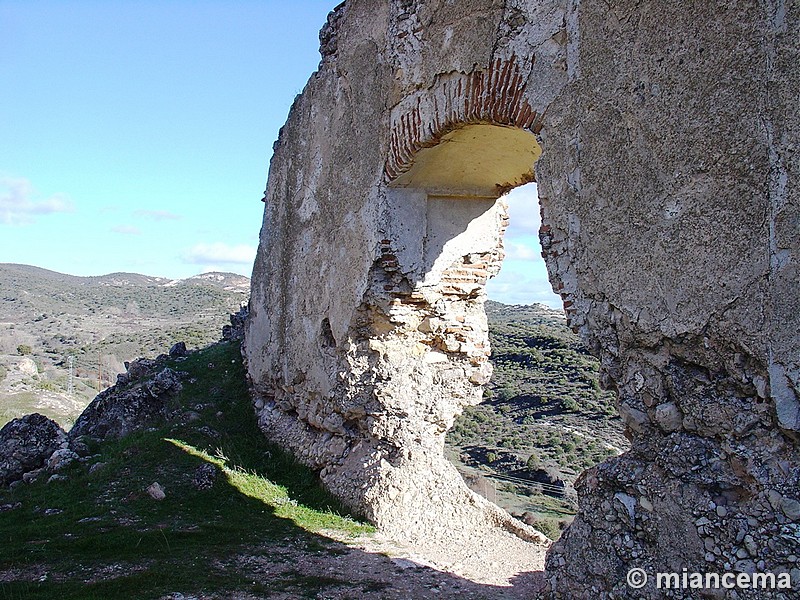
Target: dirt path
{"x":498,"y":563}
{"x":374,"y":567}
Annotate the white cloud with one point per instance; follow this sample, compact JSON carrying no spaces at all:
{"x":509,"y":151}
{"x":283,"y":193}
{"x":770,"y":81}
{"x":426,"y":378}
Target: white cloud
{"x":522,"y":282}
{"x":523,"y":210}
{"x":126,"y":229}
{"x":19,"y":205}
{"x":219,"y":253}
{"x":521,"y":251}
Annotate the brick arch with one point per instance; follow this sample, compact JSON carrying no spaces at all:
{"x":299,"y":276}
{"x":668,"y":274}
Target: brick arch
{"x":495,"y":96}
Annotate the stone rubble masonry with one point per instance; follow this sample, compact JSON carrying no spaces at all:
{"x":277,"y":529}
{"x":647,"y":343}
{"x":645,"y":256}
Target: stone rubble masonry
{"x":666,"y":138}
{"x":494,"y":96}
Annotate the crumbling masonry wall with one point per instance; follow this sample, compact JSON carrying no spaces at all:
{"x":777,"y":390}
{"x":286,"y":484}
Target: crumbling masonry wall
{"x":668,"y":187}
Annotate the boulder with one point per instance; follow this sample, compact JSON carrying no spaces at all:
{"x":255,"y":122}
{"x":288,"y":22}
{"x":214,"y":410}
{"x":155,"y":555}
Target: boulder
{"x":156,"y":491}
{"x":140,"y":367}
{"x":178,"y":350}
{"x":117,"y":412}
{"x":26,"y":444}
{"x":61,"y":459}
{"x":26,"y":366}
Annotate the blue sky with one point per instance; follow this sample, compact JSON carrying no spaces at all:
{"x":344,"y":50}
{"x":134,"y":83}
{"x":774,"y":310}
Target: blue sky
{"x":523,"y":277}
{"x":136,"y":135}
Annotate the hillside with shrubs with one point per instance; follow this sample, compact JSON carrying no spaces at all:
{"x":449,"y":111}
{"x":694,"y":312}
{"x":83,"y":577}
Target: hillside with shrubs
{"x":49,"y":320}
{"x":543,"y":421}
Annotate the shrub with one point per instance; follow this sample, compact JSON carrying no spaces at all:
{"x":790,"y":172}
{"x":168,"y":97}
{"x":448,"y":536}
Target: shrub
{"x":533,"y":462}
{"x":24,"y":349}
{"x":506,"y":393}
{"x":549,"y":526}
{"x":570,"y":404}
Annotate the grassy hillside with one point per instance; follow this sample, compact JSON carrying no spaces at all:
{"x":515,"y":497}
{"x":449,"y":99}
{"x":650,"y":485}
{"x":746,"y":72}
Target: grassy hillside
{"x":46,"y":318}
{"x":99,"y":534}
{"x":543,"y":421}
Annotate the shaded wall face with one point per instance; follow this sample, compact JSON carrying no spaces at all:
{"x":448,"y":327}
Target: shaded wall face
{"x":654,"y":183}
{"x":323,"y":196}
{"x":670,"y":220}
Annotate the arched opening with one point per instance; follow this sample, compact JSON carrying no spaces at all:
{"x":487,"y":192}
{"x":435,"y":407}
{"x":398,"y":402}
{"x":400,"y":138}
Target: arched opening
{"x":474,"y":161}
{"x":459,"y":181}
{"x":522,"y":440}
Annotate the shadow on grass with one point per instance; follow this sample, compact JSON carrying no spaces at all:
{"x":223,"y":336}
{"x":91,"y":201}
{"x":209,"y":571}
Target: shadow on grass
{"x":243,"y":538}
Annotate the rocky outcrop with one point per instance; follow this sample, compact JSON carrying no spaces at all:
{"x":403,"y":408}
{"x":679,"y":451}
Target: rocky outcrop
{"x":178,"y":350}
{"x":664,"y":139}
{"x":132,"y":404}
{"x":235,"y":331}
{"x":26,"y":444}
{"x":144,"y":396}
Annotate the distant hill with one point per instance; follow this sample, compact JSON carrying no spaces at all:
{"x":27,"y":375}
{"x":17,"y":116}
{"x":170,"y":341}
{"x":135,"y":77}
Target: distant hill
{"x":48,"y":318}
{"x":544,"y":418}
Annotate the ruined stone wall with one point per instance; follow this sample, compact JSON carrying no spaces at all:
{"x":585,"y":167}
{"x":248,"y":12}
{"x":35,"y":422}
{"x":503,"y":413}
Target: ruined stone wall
{"x":668,"y":184}
{"x":669,"y":193}
{"x":367,"y":333}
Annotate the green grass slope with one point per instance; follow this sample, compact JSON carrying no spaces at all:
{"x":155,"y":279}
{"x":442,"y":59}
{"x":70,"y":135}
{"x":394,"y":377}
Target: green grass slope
{"x":100,"y":535}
